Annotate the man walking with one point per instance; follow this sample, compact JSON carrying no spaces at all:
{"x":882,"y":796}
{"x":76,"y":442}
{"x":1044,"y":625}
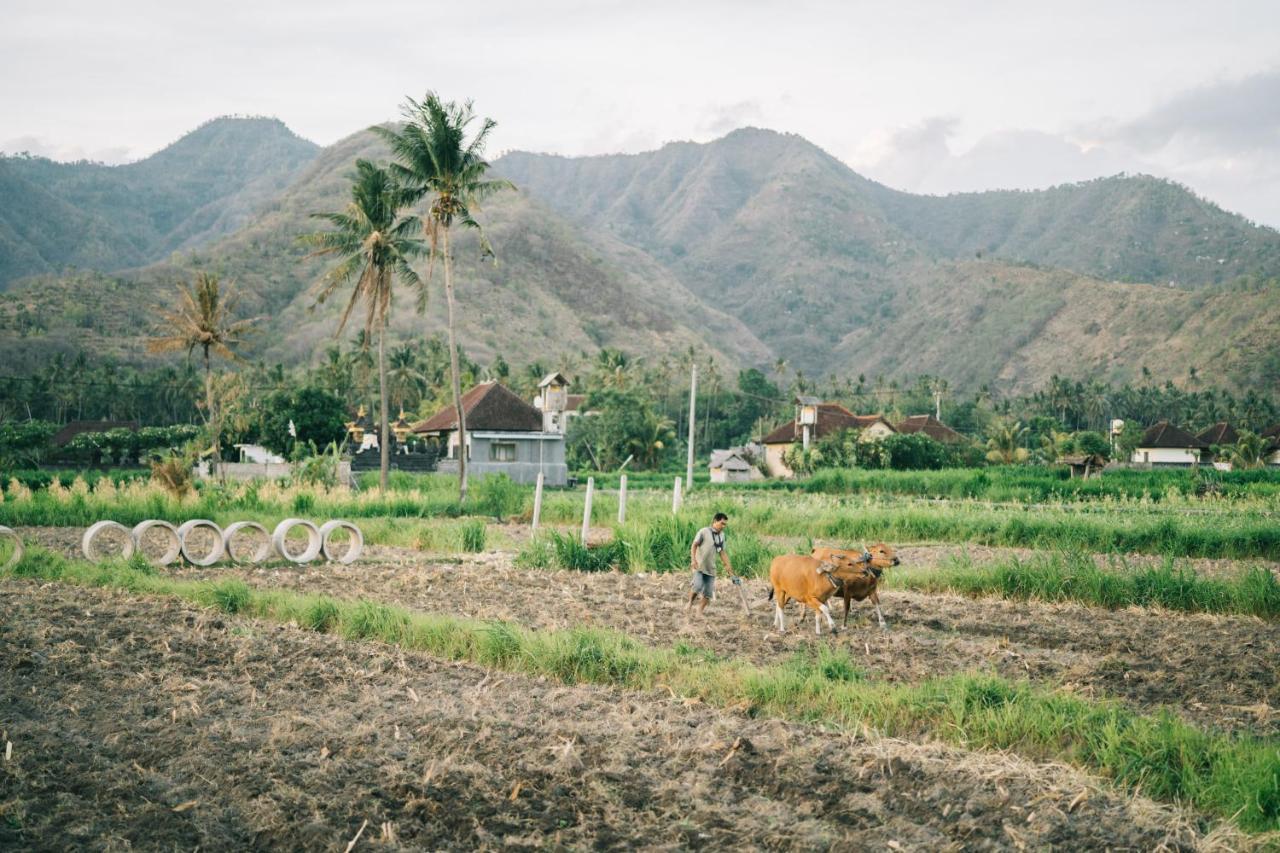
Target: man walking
{"x":707,"y":548}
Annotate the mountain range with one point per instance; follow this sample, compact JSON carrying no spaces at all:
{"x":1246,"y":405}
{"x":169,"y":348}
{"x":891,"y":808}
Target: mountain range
{"x":757,"y":246}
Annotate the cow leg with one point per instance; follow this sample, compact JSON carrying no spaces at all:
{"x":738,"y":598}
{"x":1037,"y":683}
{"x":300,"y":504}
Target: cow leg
{"x":831,"y":623}
{"x":779,"y":620}
{"x":848,"y":597}
{"x":875,"y":601}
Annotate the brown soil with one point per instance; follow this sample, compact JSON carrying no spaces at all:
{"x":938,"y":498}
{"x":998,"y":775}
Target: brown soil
{"x":140,"y":723}
{"x":1213,"y":670}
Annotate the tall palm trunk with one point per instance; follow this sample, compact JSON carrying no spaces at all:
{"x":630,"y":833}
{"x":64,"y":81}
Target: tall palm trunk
{"x":208,"y":407}
{"x":457,"y":380}
{"x":384,"y":448}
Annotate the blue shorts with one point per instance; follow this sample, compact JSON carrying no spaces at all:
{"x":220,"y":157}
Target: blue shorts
{"x":704,"y":584}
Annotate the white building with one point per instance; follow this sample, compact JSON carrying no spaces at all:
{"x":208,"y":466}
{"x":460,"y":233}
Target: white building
{"x":1166,"y":445}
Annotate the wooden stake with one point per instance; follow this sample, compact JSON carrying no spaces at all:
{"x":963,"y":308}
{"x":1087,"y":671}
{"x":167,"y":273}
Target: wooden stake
{"x":586,"y":509}
{"x":675,"y":497}
{"x":622,"y":499}
{"x":537,"y":502}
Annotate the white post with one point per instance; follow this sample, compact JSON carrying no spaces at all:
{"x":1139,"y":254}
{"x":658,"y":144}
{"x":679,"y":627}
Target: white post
{"x":675,"y":497}
{"x":586,"y":510}
{"x":537,"y":502}
{"x":693,"y":399}
{"x":622,"y":500}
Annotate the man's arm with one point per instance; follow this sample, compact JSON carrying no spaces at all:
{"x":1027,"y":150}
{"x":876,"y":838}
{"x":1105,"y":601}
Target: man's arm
{"x":693,"y":550}
{"x":724,"y":558}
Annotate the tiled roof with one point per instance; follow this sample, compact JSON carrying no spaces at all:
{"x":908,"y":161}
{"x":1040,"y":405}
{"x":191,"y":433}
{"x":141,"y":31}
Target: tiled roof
{"x":1219,"y":433}
{"x":488,"y":406}
{"x":71,"y":430}
{"x":1165,"y":434}
{"x":932,"y":427}
{"x":832,"y":418}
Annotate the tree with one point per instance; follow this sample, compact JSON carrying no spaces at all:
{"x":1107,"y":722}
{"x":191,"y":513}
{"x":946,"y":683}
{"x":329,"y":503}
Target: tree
{"x":204,"y":319}
{"x":1249,"y":451}
{"x":374,"y":244}
{"x":437,"y":161}
{"x":316,"y":414}
{"x":1004,"y":447}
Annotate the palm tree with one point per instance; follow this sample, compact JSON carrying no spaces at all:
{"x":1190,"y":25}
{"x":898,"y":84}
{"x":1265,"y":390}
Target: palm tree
{"x":437,"y":161}
{"x":404,"y":378}
{"x":1005,"y":445}
{"x":1249,"y":451}
{"x":203,"y":319}
{"x":374,"y":244}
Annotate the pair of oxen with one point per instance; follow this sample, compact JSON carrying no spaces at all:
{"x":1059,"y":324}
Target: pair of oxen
{"x":814,"y":578}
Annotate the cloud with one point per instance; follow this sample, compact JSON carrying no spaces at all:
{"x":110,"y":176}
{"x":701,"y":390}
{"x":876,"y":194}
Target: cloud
{"x":1221,"y":140}
{"x":41,"y":147}
{"x":723,"y":118}
{"x":1232,"y":116}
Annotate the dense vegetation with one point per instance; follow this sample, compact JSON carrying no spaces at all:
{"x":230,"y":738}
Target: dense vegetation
{"x":854,"y":288}
{"x":107,"y":218}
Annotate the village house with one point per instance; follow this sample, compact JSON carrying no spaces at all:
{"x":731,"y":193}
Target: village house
{"x":736,"y":465}
{"x":1221,"y":434}
{"x":932,"y":427}
{"x":1165,"y":445}
{"x":814,"y":420}
{"x":505,"y":435}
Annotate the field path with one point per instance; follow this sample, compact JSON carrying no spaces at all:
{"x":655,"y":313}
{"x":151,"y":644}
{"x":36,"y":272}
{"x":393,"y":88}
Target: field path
{"x":144,"y":723}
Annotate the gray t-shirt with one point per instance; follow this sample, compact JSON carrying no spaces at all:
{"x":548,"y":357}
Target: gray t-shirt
{"x":710,"y":544}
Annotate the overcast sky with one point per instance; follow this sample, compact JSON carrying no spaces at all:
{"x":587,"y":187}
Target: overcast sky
{"x":925,"y":96}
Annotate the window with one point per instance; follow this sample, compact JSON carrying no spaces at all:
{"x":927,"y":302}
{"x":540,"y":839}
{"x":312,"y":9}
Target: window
{"x":502,"y":451}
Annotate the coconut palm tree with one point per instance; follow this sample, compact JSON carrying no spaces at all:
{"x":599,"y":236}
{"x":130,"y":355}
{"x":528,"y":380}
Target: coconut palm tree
{"x":438,"y":162}
{"x":1249,"y":451}
{"x":1005,"y":445}
{"x":374,"y":244}
{"x":405,"y":380}
{"x":203,"y":319}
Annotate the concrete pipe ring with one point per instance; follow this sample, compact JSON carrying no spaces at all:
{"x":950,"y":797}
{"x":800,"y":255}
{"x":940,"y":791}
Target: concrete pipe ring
{"x":215,"y":552}
{"x":173,"y":543}
{"x":353,"y":549}
{"x":16,"y":556}
{"x":260,"y":554}
{"x":87,"y":543}
{"x":281,"y":533}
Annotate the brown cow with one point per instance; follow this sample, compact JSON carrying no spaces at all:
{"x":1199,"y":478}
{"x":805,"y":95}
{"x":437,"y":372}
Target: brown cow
{"x":874,"y":560}
{"x":811,"y":582}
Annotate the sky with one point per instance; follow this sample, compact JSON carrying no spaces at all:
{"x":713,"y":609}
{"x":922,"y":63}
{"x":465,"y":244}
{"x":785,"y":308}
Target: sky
{"x":931,"y":97}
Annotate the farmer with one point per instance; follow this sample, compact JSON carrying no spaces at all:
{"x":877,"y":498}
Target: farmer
{"x":708,"y":546}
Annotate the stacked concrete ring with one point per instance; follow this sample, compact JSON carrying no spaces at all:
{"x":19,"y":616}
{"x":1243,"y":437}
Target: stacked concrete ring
{"x":16,"y":556}
{"x":173,"y":545}
{"x":314,"y":541}
{"x":353,"y":549}
{"x":214,"y":554}
{"x":89,"y":548}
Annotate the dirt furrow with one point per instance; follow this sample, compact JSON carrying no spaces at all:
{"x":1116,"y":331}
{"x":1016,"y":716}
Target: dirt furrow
{"x":140,"y":723}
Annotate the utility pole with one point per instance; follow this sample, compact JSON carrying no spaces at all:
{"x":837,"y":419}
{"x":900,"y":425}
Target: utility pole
{"x":693,"y":400}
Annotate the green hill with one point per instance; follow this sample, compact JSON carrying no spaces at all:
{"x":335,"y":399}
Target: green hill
{"x":106,"y":218}
{"x":758,"y":246}
{"x":1129,"y":229}
{"x":555,"y":291}
{"x":838,"y":274}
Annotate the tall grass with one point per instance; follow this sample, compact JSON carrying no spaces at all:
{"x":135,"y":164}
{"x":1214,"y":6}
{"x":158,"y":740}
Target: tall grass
{"x":1076,"y":577}
{"x":1233,"y":777}
{"x":661,"y":545}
